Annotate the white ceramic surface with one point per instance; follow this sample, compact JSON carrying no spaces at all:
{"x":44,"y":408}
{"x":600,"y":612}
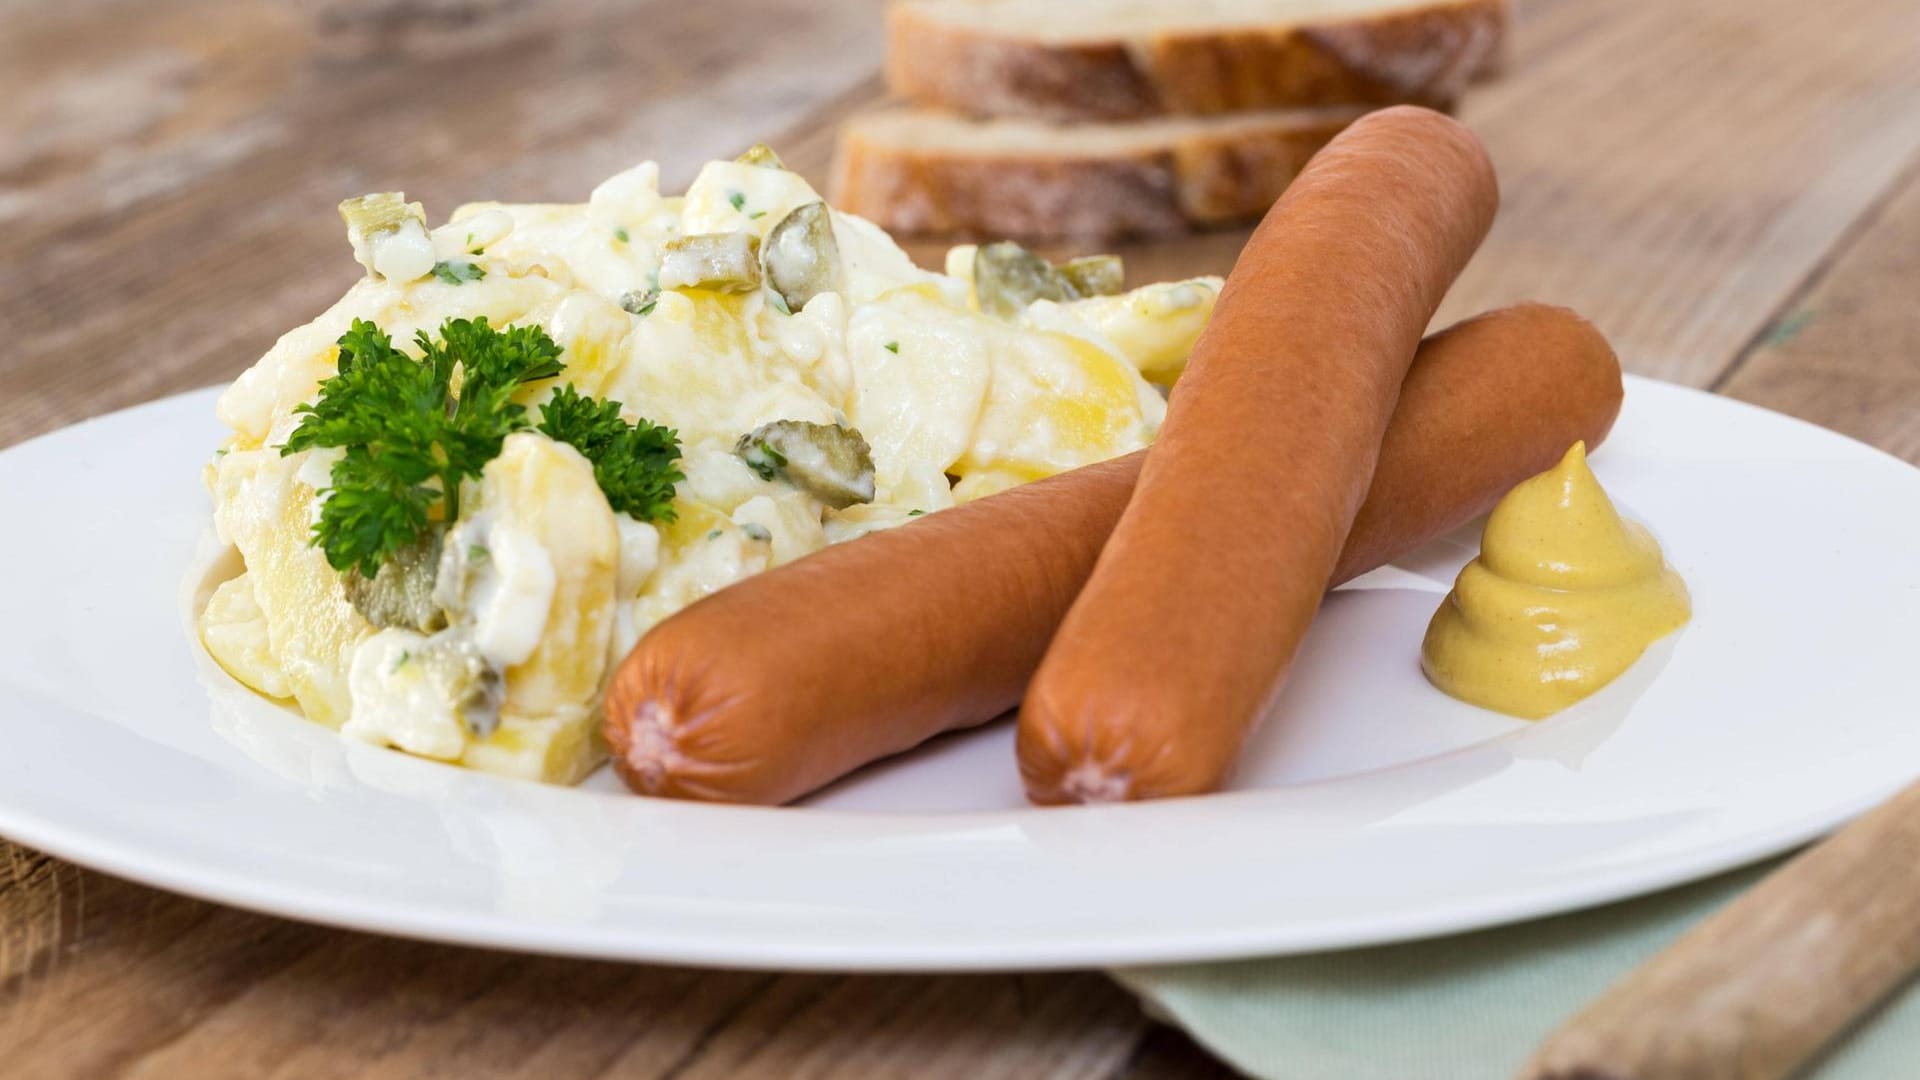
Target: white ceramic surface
{"x":1375,"y":810}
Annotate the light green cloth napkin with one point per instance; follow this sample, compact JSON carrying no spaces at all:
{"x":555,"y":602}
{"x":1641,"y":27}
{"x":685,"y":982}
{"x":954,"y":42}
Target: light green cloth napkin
{"x":1470,"y":1007}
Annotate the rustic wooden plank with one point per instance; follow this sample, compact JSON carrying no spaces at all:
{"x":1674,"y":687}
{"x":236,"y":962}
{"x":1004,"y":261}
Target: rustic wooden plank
{"x":1674,"y":170}
{"x":1077,"y":1026}
{"x":122,"y":979}
{"x":1845,"y":354}
{"x":113,"y":970}
{"x":373,"y":1007}
{"x":1758,"y":988}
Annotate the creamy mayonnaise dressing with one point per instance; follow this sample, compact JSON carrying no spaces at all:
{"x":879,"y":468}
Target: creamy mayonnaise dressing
{"x":511,"y":594}
{"x":399,"y":699}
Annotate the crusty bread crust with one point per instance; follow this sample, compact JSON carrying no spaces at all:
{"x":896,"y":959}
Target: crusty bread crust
{"x":1422,"y":54}
{"x":1204,"y":176}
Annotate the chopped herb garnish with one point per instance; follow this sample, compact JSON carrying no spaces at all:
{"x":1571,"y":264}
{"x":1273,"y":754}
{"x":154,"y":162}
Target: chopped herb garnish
{"x":892,"y":346}
{"x":763,"y":458}
{"x":620,"y":233}
{"x":633,"y":462}
{"x":410,"y":440}
{"x":478,"y":552}
{"x":714,"y":535}
{"x":738,"y":200}
{"x":915,"y":513}
{"x":457,"y":272}
{"x":756,"y":215}
{"x":405,"y":655}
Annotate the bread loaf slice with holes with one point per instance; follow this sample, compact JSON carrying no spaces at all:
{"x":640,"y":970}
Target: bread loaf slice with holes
{"x":1121,"y":59}
{"x":927,"y":172}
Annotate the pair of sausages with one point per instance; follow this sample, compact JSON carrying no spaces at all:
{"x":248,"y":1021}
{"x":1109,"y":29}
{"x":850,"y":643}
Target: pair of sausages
{"x":1261,"y":492}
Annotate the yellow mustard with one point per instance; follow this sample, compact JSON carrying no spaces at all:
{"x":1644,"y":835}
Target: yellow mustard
{"x":1564,"y":596}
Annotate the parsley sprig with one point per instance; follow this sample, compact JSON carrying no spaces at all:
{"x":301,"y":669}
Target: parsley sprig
{"x":633,"y":462}
{"x":411,"y":430}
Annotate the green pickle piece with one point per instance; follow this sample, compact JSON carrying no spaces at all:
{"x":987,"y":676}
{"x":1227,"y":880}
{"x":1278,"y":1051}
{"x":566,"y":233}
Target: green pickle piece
{"x":1008,"y":277}
{"x":723,"y":262}
{"x":828,"y":461}
{"x":1095,"y":275}
{"x":378,"y":214}
{"x":762,"y":155}
{"x":800,"y":258}
{"x":401,"y":593}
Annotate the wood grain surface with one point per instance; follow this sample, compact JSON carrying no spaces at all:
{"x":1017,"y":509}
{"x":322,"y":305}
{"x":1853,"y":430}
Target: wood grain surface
{"x":1730,"y":188}
{"x":1758,"y":988}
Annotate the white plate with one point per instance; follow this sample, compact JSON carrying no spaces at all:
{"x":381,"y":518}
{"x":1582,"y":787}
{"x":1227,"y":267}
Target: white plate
{"x":1377,"y":810}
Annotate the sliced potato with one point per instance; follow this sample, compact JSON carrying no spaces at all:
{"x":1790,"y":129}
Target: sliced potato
{"x":311,"y":626}
{"x":1155,"y":326}
{"x":234,"y":630}
{"x":547,"y":490}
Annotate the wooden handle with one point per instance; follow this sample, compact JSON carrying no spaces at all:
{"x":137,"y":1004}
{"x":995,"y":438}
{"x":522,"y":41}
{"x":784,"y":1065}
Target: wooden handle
{"x":1754,"y":991}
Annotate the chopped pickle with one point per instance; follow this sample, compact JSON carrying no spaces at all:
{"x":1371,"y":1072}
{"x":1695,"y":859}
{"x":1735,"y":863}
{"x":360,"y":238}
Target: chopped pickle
{"x":723,"y":262}
{"x":1095,"y":275}
{"x":389,"y":235}
{"x":1008,"y":277}
{"x":452,"y":660}
{"x":639,"y":301}
{"x":379,"y":213}
{"x":761,"y":154}
{"x":402,"y":593}
{"x":800,"y":258}
{"x":828,"y":461}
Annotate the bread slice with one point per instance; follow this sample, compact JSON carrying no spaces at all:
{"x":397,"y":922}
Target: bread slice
{"x":1121,"y":59}
{"x":927,"y":172}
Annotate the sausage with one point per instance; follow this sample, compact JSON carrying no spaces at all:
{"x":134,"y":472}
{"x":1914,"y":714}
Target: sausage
{"x":1214,"y":572}
{"x":782,"y":683}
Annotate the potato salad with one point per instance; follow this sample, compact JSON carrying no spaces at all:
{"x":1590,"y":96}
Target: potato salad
{"x":527,"y":435}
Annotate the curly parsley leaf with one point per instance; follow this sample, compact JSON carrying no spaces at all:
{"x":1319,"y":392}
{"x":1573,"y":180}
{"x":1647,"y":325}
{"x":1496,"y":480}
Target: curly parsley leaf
{"x":371,"y":511}
{"x":408,"y":439}
{"x":412,"y":429}
{"x":634,"y":463}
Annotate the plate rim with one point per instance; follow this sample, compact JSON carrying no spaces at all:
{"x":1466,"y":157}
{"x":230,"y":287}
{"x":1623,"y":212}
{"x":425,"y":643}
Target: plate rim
{"x":499,"y":932}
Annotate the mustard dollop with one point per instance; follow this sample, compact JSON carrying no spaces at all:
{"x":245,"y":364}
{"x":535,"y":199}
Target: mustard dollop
{"x":1565,"y":595}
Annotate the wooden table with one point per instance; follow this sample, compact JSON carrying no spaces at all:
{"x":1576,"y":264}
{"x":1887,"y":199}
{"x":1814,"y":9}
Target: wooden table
{"x":1730,"y":188}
